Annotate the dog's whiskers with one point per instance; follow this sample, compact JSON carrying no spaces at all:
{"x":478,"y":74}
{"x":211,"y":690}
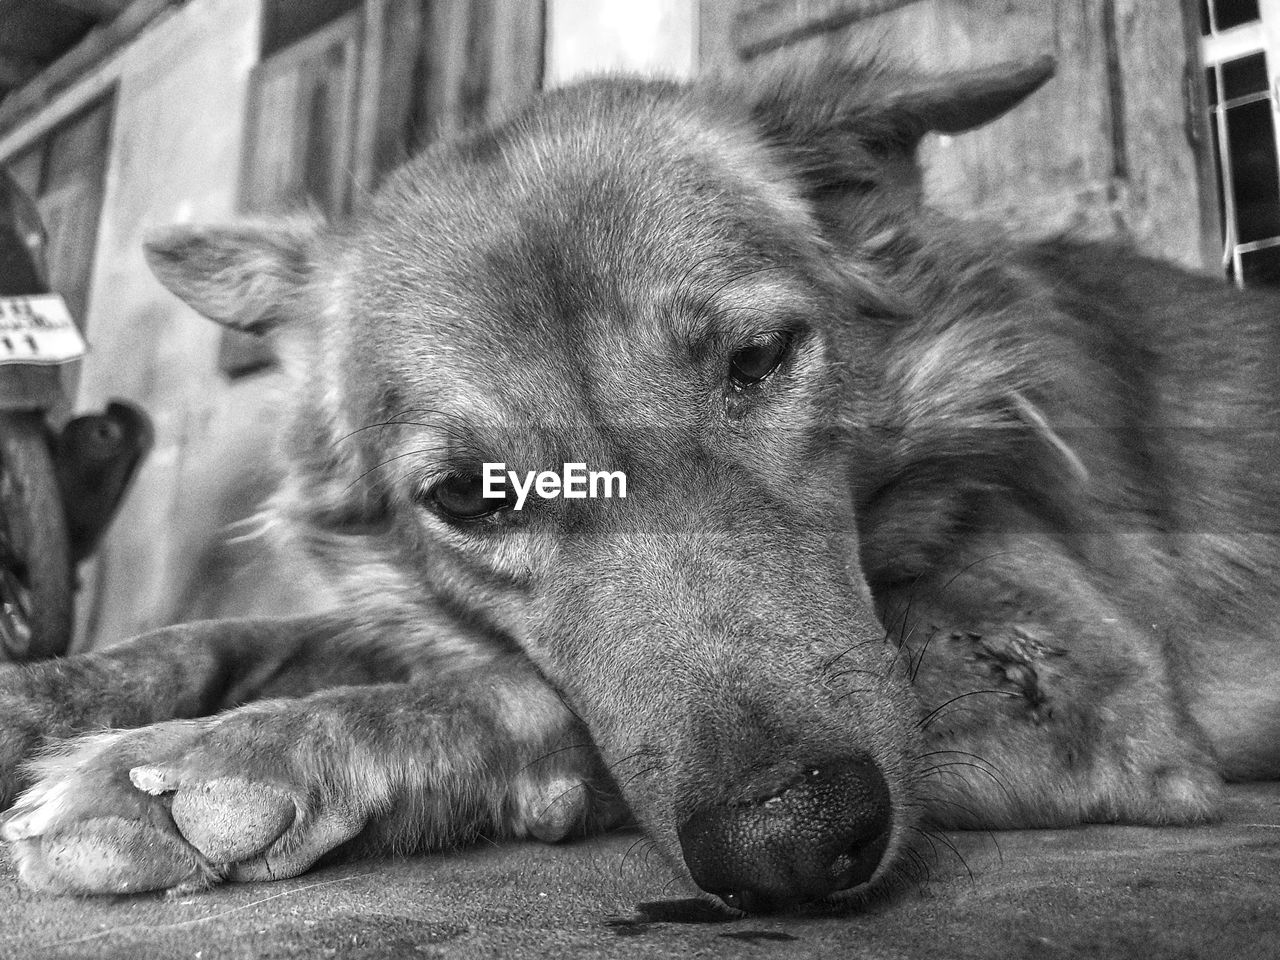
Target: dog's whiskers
{"x":931,"y":835}
{"x":551,"y":753}
{"x":836,"y":658}
{"x":961,"y":753}
{"x":933,"y":715}
{"x":905,"y":632}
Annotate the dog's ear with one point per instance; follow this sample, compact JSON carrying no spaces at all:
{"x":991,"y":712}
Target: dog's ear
{"x":245,"y":277}
{"x":849,"y":125}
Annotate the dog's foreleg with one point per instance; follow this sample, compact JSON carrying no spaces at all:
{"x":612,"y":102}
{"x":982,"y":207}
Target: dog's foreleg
{"x":189,"y":670}
{"x":263,"y":791}
{"x":1044,"y":702}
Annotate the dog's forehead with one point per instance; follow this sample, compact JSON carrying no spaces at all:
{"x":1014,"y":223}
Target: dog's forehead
{"x":544,"y":263}
{"x":598,"y":199}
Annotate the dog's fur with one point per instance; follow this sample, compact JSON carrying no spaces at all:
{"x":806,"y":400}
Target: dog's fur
{"x":993,"y":543}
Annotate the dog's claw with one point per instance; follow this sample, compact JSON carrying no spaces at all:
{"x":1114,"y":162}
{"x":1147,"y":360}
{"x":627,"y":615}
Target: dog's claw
{"x":153,"y":779}
{"x":16,"y":825}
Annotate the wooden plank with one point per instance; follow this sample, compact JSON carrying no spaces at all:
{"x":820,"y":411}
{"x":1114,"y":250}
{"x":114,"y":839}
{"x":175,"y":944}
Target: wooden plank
{"x":369,"y":93}
{"x":98,"y":9}
{"x":444,"y":63}
{"x":270,"y":176}
{"x":399,"y":82}
{"x":300,"y":137}
{"x":343,"y":77}
{"x":1158,"y":75}
{"x":477,"y":59}
{"x":101,"y":43}
{"x":301,"y":120}
{"x":763,"y":27}
{"x":516,"y":64}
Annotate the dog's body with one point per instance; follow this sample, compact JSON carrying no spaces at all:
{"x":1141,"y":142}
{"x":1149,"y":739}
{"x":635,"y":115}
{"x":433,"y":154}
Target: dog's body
{"x":921,"y":526}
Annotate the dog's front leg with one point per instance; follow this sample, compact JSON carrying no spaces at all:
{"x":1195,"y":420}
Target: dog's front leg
{"x":189,"y":670}
{"x":263,"y":791}
{"x":1045,"y":702}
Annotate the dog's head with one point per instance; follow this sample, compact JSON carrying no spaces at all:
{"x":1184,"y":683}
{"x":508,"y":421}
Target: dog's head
{"x":672,"y":284}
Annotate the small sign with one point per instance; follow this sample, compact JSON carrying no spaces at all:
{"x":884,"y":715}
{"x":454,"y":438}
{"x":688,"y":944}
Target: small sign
{"x":38,"y":329}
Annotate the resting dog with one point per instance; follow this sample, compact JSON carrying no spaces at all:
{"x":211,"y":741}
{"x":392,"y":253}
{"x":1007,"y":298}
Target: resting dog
{"x":921,"y":527}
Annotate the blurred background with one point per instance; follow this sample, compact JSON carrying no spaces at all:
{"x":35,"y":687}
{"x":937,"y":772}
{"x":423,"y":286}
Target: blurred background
{"x":118,"y":116}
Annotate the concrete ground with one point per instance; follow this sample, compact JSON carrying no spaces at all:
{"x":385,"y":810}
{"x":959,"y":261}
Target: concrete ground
{"x":1096,"y":892}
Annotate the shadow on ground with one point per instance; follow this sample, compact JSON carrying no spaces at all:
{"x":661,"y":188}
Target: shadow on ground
{"x":1095,"y":892}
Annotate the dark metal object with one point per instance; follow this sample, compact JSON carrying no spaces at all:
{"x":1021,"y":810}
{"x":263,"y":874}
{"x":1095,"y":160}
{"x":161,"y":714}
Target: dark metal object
{"x":58,"y":490}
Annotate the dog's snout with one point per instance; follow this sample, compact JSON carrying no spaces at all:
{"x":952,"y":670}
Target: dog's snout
{"x":824,"y":831}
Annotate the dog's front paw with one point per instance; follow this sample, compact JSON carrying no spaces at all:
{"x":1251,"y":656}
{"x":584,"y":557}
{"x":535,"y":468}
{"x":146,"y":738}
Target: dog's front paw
{"x":174,"y":806}
{"x":1160,"y":791}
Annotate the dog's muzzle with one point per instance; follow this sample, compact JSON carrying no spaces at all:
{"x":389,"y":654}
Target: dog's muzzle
{"x":825,"y":831}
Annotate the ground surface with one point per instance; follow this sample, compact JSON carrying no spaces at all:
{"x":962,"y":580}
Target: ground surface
{"x":1097,"y":892}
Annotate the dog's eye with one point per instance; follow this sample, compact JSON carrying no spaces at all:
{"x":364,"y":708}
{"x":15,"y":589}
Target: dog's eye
{"x":461,"y":497}
{"x":757,"y":360}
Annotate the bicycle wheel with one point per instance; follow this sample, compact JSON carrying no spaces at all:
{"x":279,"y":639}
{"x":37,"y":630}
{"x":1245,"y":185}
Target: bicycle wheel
{"x":35,"y":563}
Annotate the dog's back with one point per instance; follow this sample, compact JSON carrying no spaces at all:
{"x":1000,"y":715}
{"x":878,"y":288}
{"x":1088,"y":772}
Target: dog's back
{"x":1188,"y":424}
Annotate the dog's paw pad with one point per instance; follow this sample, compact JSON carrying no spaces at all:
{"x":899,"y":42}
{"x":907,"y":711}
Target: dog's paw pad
{"x":107,"y":855}
{"x":230,"y":819}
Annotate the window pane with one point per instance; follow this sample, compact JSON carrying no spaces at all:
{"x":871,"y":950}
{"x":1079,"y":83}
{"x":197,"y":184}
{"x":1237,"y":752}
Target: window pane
{"x":1217,"y":172}
{"x":1244,"y":76}
{"x":1232,"y":13}
{"x":1204,"y":17}
{"x":1261,"y":267}
{"x":1211,"y":85}
{"x":1255,"y":176}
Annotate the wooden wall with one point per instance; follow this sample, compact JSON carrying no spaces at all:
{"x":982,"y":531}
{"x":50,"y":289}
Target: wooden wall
{"x":1113,"y":145}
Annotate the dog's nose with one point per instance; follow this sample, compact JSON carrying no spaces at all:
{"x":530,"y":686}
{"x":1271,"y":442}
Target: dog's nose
{"x":822,"y":832}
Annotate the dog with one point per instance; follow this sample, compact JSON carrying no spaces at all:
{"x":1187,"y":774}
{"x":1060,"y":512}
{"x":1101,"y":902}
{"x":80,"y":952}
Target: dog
{"x":922,"y":527}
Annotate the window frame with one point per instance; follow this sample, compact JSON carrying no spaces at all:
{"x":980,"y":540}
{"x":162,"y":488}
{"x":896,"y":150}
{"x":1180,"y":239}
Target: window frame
{"x":1218,"y":47}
